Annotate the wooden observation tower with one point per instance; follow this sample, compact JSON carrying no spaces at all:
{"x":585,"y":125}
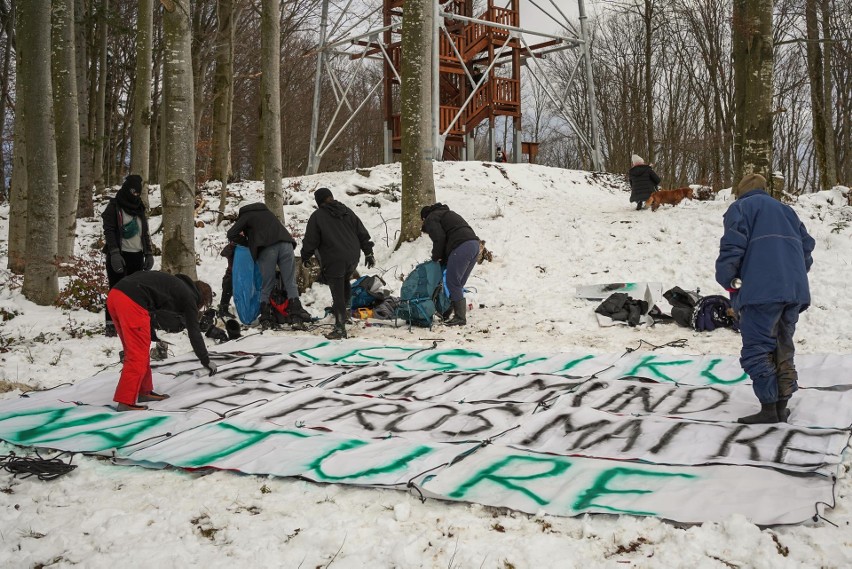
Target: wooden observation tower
{"x":479,"y":74}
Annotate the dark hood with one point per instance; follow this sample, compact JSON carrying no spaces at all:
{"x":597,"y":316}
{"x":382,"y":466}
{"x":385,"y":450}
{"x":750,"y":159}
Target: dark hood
{"x":259,"y":206}
{"x":191,"y":284}
{"x":129,"y":202}
{"x":336,"y":209}
{"x":424,"y":213}
{"x":639,"y":169}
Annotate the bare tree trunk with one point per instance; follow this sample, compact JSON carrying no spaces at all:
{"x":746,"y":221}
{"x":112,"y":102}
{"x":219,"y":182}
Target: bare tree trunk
{"x":223,"y":96}
{"x":270,"y":95}
{"x":85,"y":203}
{"x":67,"y":125}
{"x":418,"y":184}
{"x":100,"y":100}
{"x":178,"y":142}
{"x":753,"y":75}
{"x":140,"y":137}
{"x":647,"y":17}
{"x":41,"y":284}
{"x":828,"y":115}
{"x":18,"y":189}
{"x":8,"y":25}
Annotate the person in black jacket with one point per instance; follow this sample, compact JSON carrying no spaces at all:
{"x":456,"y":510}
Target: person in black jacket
{"x":337,"y":236}
{"x":146,"y":300}
{"x":455,"y":245}
{"x":127,"y":240}
{"x":271,"y":246}
{"x":643,"y":181}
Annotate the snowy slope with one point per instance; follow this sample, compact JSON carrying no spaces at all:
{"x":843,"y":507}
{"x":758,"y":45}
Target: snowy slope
{"x":550,"y":230}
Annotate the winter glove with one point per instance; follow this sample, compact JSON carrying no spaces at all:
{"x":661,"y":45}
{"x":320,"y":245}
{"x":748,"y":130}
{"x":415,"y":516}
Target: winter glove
{"x":149,"y":262}
{"x":370,"y":260}
{"x":307,"y":262}
{"x":211,"y":367}
{"x":116,"y":261}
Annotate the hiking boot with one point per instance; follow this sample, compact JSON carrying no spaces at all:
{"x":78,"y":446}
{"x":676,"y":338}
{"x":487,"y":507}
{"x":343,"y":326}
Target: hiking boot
{"x":266,"y":321}
{"x":160,"y":351}
{"x":460,"y":316}
{"x":126,"y":407}
{"x":781,"y":410}
{"x":224,"y":311}
{"x":109,"y":330}
{"x":152,"y":396}
{"x":339,"y":333}
{"x":639,"y":205}
{"x":767,"y":414}
{"x":295,"y":309}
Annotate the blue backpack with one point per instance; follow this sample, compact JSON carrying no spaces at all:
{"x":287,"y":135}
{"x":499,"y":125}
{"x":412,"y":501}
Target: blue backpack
{"x":423,"y":294}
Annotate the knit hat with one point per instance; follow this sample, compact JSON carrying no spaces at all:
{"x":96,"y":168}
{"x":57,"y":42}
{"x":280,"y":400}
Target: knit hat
{"x":424,"y":211}
{"x":321,"y":195}
{"x":636,"y":159}
{"x":133,"y":182}
{"x":749,"y":183}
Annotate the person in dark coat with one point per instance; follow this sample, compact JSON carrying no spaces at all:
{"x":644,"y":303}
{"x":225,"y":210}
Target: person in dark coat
{"x":146,"y":300}
{"x":337,"y":237}
{"x":643,"y":181}
{"x":127,"y":240}
{"x":455,"y":245}
{"x":767,"y":249}
{"x":271,"y":246}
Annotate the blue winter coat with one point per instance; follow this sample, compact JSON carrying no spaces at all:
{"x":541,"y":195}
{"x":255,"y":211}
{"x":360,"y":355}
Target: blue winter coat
{"x":768,"y":248}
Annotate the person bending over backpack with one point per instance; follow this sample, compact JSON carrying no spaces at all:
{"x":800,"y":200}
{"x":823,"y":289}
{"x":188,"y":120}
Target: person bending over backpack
{"x":127,"y":240}
{"x":148,"y":299}
{"x":337,"y":236}
{"x":768,"y":249}
{"x":455,"y":245}
{"x":271,"y":246}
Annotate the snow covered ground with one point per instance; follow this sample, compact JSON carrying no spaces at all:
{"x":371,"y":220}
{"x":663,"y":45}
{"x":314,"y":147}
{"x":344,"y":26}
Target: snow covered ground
{"x":550,"y":230}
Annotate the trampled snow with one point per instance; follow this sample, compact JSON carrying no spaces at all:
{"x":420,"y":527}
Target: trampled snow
{"x":550,"y":230}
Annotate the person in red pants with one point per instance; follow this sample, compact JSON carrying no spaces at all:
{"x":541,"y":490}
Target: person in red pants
{"x":153,"y":299}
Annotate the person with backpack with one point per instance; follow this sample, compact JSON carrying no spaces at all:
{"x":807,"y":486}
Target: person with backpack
{"x":271,"y":246}
{"x":764,"y":258}
{"x":337,"y":236}
{"x":643,"y":181}
{"x":141,"y":302}
{"x":127,"y":241}
{"x":455,"y":245}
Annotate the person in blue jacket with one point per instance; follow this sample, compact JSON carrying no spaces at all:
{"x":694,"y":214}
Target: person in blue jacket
{"x":764,"y":259}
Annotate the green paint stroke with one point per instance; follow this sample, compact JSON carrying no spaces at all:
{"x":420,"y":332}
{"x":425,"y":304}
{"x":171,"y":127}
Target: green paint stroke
{"x":252,"y":437}
{"x":394,"y":466}
{"x":557,"y":467}
{"x":362,"y":355}
{"x":439,"y":360}
{"x":601,"y":488}
{"x":651,"y":365}
{"x":304,"y":352}
{"x":713,"y":378}
{"x":573,"y":363}
{"x":57,"y":420}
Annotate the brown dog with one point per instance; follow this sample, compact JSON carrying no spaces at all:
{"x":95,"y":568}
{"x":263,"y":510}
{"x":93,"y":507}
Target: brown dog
{"x":672,"y":197}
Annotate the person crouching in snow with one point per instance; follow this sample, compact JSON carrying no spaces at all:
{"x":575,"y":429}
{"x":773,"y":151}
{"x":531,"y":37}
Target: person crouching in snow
{"x":768,"y":249}
{"x":169,"y":302}
{"x":455,"y":245}
{"x":643,"y":181}
{"x":338,"y":236}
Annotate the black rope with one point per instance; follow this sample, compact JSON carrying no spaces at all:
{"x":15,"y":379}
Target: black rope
{"x":26,"y":393}
{"x":44,"y":469}
{"x":681,"y":343}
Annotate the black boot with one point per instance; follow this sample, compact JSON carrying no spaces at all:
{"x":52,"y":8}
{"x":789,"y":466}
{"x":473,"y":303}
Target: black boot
{"x":224,"y":310}
{"x":460,"y":316}
{"x":109,"y":330}
{"x":339,"y":332}
{"x":297,"y":311}
{"x":781,"y":410}
{"x":266,"y":321}
{"x":767,"y":414}
{"x":638,"y":206}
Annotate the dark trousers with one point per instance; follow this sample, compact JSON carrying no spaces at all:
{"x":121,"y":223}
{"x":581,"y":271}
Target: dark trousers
{"x":132,"y":262}
{"x":341,"y":294}
{"x":768,"y":349}
{"x":459,"y":266}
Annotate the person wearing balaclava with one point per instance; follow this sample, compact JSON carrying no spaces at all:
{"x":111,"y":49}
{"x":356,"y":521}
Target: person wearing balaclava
{"x":128,"y":245}
{"x":337,"y":236}
{"x":764,"y":258}
{"x":643,"y":181}
{"x":455,"y":245}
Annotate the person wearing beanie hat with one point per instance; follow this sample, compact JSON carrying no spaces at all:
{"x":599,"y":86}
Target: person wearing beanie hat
{"x":128,"y":246}
{"x":455,"y":245}
{"x":141,"y":302}
{"x":764,"y":258}
{"x":643,"y":181}
{"x":337,"y":237}
{"x":271,"y":247}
